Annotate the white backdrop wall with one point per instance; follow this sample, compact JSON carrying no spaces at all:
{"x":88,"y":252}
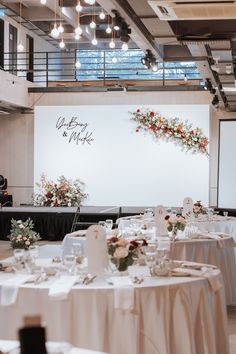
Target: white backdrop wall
{"x":120,"y":166}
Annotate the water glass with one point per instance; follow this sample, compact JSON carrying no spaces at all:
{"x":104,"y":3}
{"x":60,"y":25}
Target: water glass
{"x":148,"y":212}
{"x":19,"y":255}
{"x":70,"y":262}
{"x":34,"y":252}
{"x":102,"y":224}
{"x":109,"y":224}
{"x":226,"y":213}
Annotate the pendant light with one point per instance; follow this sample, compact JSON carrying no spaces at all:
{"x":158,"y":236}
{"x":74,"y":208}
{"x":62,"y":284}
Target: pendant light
{"x":93,"y":23}
{"x":78,"y":7}
{"x":54,"y":31}
{"x":60,"y":27}
{"x":108,"y":29}
{"x":20,"y":46}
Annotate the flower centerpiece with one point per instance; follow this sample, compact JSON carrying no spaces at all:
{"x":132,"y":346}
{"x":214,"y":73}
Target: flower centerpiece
{"x":172,"y":129}
{"x":174,"y":224}
{"x":64,"y":192}
{"x":123,"y":253}
{"x":22,"y":234}
{"x":198,"y":209}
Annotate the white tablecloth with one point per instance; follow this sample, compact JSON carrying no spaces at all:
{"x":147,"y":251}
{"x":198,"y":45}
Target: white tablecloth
{"x":220,"y":224}
{"x":170,"y":316}
{"x":68,"y":241}
{"x":210,"y":252}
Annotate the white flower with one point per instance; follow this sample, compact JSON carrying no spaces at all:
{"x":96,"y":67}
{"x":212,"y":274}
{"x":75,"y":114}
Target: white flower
{"x":21,"y":226}
{"x":19,"y":221}
{"x":121,"y":252}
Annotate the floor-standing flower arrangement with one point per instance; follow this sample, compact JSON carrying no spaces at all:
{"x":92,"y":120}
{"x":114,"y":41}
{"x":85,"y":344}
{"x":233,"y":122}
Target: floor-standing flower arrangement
{"x":63,"y":192}
{"x":22,"y":234}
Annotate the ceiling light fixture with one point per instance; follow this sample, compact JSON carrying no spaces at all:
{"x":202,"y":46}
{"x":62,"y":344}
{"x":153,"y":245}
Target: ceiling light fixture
{"x":78,"y":7}
{"x":77,"y":36}
{"x":94,"y":40}
{"x":112,"y":44}
{"x":60,"y":28}
{"x":215,"y":102}
{"x":90,"y":2}
{"x":54,"y":31}
{"x":125,"y":47}
{"x":78,"y":29}
{"x":43,"y":2}
{"x":149,"y":61}
{"x":102,"y":15}
{"x":62,"y":44}
{"x":20,"y":46}
{"x":93,"y":23}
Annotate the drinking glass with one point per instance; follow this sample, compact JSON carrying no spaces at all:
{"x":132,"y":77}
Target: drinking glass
{"x":69,"y":262}
{"x":109,"y":224}
{"x":150,"y":256}
{"x":148,"y":212}
{"x":19,"y":255}
{"x":34,"y":252}
{"x":102,"y":224}
{"x":226,"y":213}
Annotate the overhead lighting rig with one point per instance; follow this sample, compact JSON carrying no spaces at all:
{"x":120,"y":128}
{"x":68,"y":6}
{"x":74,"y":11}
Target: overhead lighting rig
{"x":149,"y":60}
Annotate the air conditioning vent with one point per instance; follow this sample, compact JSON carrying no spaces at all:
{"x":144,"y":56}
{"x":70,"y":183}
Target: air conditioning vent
{"x":197,"y":10}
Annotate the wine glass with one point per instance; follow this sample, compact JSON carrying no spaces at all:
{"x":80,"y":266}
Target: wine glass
{"x":150,"y":256}
{"x":109,"y":224}
{"x":19,"y":255}
{"x":34,"y":252}
{"x":102,"y":224}
{"x":69,"y":262}
{"x":77,"y":251}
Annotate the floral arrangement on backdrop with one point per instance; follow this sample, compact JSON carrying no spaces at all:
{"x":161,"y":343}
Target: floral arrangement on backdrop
{"x":22,"y":234}
{"x":64,"y":192}
{"x":174,"y":224}
{"x":173,"y":129}
{"x":198,"y":208}
{"x":123,"y":253}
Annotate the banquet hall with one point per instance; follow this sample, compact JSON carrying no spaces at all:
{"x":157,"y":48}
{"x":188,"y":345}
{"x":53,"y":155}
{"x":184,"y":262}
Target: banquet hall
{"x":117,"y":176}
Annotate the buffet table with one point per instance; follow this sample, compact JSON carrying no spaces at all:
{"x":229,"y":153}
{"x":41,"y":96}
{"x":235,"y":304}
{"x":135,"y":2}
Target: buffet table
{"x":168,"y":315}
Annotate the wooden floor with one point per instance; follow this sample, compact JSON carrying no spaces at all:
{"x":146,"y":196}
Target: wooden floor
{"x":5,"y":251}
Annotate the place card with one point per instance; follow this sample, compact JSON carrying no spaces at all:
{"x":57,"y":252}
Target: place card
{"x":96,"y":250}
{"x":187,"y":206}
{"x":160,"y":214}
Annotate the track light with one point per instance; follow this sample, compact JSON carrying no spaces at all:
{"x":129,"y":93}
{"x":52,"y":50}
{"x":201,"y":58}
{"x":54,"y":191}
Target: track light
{"x":215,"y":102}
{"x":149,"y":60}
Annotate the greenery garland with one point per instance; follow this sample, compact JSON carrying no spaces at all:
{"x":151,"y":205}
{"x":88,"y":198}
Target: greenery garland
{"x":173,"y":129}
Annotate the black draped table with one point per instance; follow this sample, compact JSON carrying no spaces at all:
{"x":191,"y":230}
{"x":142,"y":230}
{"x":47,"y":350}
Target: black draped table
{"x":53,"y":223}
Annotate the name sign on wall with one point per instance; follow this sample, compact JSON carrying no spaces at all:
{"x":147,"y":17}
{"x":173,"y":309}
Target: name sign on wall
{"x":74,"y":130}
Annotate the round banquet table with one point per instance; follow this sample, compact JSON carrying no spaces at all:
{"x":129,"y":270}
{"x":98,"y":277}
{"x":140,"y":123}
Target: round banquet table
{"x":170,"y":315}
{"x":219,"y":253}
{"x":218,"y":223}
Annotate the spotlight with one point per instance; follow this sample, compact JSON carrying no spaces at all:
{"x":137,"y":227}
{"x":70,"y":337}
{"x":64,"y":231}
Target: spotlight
{"x":117,"y":21}
{"x":92,"y":25}
{"x":62,"y":44}
{"x":125,"y":31}
{"x":102,"y":15}
{"x":215,"y":102}
{"x":208,"y":85}
{"x":149,"y":60}
{"x":212,"y":90}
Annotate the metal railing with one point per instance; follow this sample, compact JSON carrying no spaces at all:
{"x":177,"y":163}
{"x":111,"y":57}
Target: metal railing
{"x":44,"y":68}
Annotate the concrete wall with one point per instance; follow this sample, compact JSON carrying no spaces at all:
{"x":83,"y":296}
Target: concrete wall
{"x":17,"y":132}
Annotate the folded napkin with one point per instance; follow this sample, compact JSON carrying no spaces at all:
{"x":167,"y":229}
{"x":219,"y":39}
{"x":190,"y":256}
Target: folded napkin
{"x":123,"y":293}
{"x":78,"y":233}
{"x":212,"y":275}
{"x":9,"y":289}
{"x":60,"y":289}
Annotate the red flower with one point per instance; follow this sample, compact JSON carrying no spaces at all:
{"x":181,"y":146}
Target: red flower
{"x":167,"y":217}
{"x":113,"y":239}
{"x":152,"y":114}
{"x":153,"y":127}
{"x":134,"y":243}
{"x":138,"y":110}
